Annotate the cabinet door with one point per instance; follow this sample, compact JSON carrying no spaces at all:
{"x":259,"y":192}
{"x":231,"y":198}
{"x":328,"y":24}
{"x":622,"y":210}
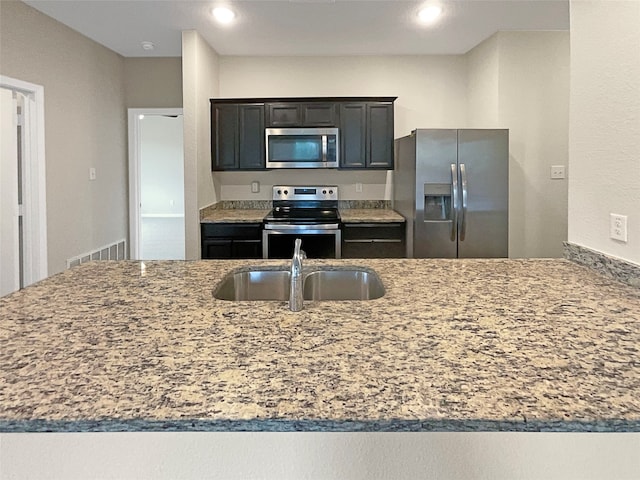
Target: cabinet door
{"x":224,"y":127}
{"x":353,"y":118}
{"x":380,"y":136}
{"x":247,"y":248}
{"x":216,"y":248}
{"x":284,"y":114}
{"x":251,"y":154}
{"x":319,"y":115}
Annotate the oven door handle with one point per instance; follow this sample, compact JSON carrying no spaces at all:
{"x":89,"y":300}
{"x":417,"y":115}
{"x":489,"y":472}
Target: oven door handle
{"x":285,"y":228}
{"x":272,"y":231}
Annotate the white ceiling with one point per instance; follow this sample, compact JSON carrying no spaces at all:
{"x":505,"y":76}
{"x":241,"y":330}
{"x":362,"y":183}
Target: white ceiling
{"x":302,"y":27}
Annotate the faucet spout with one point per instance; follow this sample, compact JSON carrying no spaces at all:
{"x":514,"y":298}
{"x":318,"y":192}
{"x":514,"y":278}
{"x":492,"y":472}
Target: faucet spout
{"x":296,"y":300}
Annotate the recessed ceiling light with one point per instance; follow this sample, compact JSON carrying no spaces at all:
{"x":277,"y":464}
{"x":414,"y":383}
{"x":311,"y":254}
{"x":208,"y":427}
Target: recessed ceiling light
{"x":147,"y":45}
{"x":223,"y":14}
{"x":429,"y":14}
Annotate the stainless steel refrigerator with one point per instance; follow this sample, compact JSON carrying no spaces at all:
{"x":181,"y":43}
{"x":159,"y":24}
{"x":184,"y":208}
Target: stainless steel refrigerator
{"x":452,"y":186}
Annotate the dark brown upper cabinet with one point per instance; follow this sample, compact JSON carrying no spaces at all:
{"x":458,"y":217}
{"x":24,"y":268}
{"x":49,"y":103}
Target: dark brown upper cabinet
{"x":294,"y":114}
{"x":237,"y":136}
{"x":367,"y":135}
{"x":365,"y":123}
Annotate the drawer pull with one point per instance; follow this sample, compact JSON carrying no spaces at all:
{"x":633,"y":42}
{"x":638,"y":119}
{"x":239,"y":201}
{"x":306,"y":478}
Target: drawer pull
{"x":374,"y":240}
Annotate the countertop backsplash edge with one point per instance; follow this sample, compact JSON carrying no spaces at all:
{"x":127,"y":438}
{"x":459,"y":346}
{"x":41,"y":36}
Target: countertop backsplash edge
{"x":612,"y":267}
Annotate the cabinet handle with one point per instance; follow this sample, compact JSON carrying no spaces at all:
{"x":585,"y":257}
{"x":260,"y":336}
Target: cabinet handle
{"x":357,"y":226}
{"x":246,"y":241}
{"x":374,"y":240}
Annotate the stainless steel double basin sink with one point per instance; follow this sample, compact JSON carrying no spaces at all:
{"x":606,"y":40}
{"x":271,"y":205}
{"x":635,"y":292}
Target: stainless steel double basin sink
{"x":352,"y":283}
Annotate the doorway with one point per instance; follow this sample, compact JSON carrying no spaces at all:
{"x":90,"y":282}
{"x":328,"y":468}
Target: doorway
{"x":156,"y":184}
{"x":23,"y":238}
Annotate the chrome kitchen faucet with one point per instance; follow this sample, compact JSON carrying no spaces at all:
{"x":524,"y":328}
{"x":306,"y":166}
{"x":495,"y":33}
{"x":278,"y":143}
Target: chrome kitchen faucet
{"x":296,"y":299}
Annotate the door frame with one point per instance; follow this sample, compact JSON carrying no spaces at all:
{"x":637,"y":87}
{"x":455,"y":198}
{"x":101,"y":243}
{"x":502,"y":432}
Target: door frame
{"x":134,"y":172}
{"x":35,"y":258}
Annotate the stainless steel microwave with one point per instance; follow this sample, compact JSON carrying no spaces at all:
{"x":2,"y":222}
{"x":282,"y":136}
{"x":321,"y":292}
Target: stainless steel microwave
{"x":302,"y":147}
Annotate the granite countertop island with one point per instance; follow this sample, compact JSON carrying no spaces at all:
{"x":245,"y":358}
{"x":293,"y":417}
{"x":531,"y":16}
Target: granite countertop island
{"x":453,"y":345}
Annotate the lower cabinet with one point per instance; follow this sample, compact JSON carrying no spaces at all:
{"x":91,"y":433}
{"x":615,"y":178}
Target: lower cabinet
{"x":231,"y":240}
{"x":373,"y":240}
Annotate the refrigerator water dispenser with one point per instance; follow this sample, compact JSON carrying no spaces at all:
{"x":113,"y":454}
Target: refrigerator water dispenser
{"x":437,"y":201}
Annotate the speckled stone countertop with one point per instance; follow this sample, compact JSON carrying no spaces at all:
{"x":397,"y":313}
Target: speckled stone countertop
{"x":235,"y":215}
{"x":454,"y":345}
{"x":348,"y":215}
{"x":370,"y":215}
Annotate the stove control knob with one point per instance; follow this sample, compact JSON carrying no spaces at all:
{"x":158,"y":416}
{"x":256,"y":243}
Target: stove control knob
{"x":330,"y":192}
{"x":279,"y":192}
{"x":324,"y":192}
{"x":286,"y":192}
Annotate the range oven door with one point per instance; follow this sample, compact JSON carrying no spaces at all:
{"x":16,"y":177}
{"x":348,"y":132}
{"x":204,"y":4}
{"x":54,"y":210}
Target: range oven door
{"x":317,"y":241}
{"x":302,"y":147}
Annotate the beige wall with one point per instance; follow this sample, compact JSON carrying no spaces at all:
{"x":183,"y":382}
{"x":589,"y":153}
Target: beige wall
{"x":483,"y":70}
{"x":200,"y":83}
{"x":534,"y":104}
{"x":605,"y":125}
{"x":430,"y":91}
{"x":153,"y":82}
{"x":515,"y":80}
{"x":85,"y":126}
{"x":520,"y":81}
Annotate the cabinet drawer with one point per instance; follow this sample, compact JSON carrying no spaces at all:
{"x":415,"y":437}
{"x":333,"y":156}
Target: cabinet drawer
{"x":233,"y":230}
{"x":373,"y":231}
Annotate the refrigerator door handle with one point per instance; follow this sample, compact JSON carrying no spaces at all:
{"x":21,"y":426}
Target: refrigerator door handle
{"x":454,"y":202}
{"x":463,"y":219}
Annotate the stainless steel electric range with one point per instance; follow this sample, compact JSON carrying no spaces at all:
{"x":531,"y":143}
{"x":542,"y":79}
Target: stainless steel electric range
{"x":306,"y":212}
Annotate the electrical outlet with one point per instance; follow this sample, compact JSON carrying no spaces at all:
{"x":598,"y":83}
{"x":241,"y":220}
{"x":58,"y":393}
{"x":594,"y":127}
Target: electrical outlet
{"x":358,"y":188}
{"x":255,"y":187}
{"x":618,"y":227}
{"x":557,"y":172}
{"x":92,"y":173}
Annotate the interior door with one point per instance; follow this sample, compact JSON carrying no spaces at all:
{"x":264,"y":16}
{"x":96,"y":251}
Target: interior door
{"x":161,"y":188}
{"x":483,"y":159}
{"x":9,"y":206}
{"x":156,"y":184}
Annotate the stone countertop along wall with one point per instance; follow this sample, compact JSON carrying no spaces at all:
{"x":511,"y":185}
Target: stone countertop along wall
{"x":364,"y":215}
{"x":351,"y":211}
{"x":454,"y":345}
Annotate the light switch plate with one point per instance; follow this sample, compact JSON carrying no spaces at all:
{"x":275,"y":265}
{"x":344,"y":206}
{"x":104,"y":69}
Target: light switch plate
{"x":618,"y":227}
{"x":92,"y":173}
{"x":358,"y":188}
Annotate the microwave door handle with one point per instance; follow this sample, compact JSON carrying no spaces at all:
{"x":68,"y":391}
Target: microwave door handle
{"x":324,"y":148}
